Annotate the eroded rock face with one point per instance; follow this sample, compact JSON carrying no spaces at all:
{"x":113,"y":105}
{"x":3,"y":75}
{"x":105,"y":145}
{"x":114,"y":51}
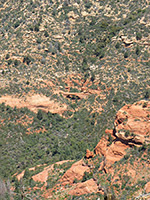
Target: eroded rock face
{"x":132,"y":124}
{"x":89,"y":154}
{"x":147,"y":187}
{"x":75,"y":172}
{"x":86,"y":187}
{"x":115,"y":151}
{"x":43,"y":176}
{"x":101,"y":147}
{"x":131,"y":127}
{"x":111,"y":153}
{"x":34,"y":102}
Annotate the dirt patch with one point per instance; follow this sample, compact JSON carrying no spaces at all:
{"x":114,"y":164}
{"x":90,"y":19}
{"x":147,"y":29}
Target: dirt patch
{"x":34,"y":103}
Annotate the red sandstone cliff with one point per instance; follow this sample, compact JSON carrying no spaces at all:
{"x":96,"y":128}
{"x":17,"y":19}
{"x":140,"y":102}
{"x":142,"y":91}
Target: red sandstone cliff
{"x":131,"y":128}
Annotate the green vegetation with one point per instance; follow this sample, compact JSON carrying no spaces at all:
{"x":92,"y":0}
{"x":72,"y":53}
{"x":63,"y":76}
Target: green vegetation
{"x":97,"y":48}
{"x":25,"y":150}
{"x":87,"y":176}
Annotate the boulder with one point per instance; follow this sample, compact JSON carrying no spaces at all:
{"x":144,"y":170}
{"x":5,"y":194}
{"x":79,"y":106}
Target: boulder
{"x":75,"y":172}
{"x":86,"y":187}
{"x":101,"y":147}
{"x":89,"y":154}
{"x":147,"y":187}
{"x":132,"y":123}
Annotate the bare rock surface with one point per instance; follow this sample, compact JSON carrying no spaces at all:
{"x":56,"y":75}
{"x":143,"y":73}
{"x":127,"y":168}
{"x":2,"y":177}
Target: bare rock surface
{"x":75,"y":172}
{"x":132,"y":124}
{"x":89,"y":154}
{"x":86,"y":187}
{"x":34,"y":103}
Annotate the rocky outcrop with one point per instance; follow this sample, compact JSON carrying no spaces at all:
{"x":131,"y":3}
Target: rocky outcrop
{"x":115,"y":151}
{"x":131,"y":127}
{"x":111,"y":153}
{"x":43,"y":176}
{"x":34,"y":103}
{"x":75,"y":172}
{"x":72,"y":15}
{"x":89,"y":186}
{"x":101,"y":147}
{"x":89,"y":154}
{"x":132,"y":123}
{"x":126,"y":41}
{"x":147,"y":187}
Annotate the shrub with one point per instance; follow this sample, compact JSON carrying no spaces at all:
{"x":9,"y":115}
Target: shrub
{"x":40,"y":115}
{"x":109,"y":195}
{"x":7,"y":56}
{"x":147,"y":94}
{"x":39,"y":40}
{"x":75,"y":180}
{"x":92,"y":77}
{"x":142,"y":148}
{"x":126,"y":156}
{"x":46,"y":34}
{"x":138,"y":36}
{"x":126,"y":55}
{"x":31,"y":27}
{"x":88,"y":5}
{"x":16,"y":63}
{"x":16,"y":24}
{"x":27,"y":59}
{"x":117,"y":45}
{"x":144,"y":105}
{"x":100,"y":52}
{"x":36,"y":28}
{"x":9,"y":62}
{"x":43,"y":60}
{"x":127,"y":133}
{"x":87,"y":176}
{"x":137,"y":51}
{"x":26,"y":174}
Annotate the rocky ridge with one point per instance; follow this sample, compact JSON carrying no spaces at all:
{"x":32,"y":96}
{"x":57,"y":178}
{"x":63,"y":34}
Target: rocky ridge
{"x":89,"y":174}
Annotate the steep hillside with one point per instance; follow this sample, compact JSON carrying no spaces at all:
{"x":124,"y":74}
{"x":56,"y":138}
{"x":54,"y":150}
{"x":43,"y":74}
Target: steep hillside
{"x":46,"y":43}
{"x":119,"y":168}
{"x":66,"y":68}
